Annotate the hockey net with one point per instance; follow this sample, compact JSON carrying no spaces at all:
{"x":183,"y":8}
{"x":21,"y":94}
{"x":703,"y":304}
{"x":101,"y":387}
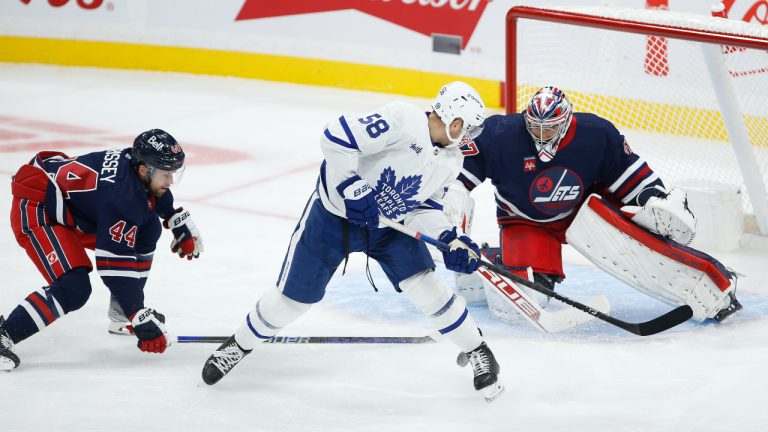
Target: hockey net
{"x":648,"y":71}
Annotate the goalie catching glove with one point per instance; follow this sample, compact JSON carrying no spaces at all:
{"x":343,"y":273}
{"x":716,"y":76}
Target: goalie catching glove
{"x":664,"y":213}
{"x":149,"y":327}
{"x":464,"y":254}
{"x":187,"y":241}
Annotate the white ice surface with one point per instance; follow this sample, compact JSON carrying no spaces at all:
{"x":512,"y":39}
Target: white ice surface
{"x":253,"y":163}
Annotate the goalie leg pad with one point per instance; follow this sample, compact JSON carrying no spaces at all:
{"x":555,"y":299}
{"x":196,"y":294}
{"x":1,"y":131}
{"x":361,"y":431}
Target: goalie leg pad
{"x":662,"y":269}
{"x":447,"y":310}
{"x":271,"y":313}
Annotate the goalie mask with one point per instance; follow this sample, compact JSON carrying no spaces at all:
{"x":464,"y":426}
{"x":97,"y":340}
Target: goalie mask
{"x":460,"y":100}
{"x":547,"y":119}
{"x":160,"y":152}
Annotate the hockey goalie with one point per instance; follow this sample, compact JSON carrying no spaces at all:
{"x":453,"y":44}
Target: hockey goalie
{"x":568,"y":177}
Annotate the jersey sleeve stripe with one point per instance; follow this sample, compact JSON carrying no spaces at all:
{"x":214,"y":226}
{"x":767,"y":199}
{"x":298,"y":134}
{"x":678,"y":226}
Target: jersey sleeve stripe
{"x":633,"y":181}
{"x":468,"y":180}
{"x":122,"y":273}
{"x":105,"y":264}
{"x":351,"y":143}
{"x":347,"y":131}
{"x":431,"y":204}
{"x":101,"y":253}
{"x":649,"y":182}
{"x":625,"y":175}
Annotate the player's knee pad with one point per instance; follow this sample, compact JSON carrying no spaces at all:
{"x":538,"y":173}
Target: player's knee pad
{"x":662,"y":269}
{"x":72,"y":289}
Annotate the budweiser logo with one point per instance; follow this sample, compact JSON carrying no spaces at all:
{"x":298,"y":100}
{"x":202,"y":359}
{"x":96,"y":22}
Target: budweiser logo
{"x":454,"y":17}
{"x":756,"y":13}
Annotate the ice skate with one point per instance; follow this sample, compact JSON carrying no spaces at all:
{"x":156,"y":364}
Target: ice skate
{"x":733,"y":306}
{"x":486,"y":371}
{"x":223,"y":360}
{"x":119,"y":324}
{"x":8,"y":360}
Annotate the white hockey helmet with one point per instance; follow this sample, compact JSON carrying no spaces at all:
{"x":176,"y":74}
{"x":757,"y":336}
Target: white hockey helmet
{"x":460,"y":100}
{"x":548,"y":117}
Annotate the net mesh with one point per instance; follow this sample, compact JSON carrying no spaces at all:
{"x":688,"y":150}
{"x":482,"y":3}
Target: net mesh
{"x":656,"y":90}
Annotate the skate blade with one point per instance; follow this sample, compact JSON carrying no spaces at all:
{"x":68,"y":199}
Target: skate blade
{"x":7,"y":365}
{"x":493,"y":391}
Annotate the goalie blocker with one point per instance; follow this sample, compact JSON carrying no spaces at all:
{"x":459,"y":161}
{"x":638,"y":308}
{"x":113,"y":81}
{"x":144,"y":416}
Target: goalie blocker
{"x":660,"y":268}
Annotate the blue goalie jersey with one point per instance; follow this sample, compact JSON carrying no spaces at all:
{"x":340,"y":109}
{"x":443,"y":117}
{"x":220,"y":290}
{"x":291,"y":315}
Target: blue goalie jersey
{"x":592,"y":157}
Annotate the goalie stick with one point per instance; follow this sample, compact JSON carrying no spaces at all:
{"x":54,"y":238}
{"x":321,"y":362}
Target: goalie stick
{"x":659,"y":324}
{"x":315,"y":339}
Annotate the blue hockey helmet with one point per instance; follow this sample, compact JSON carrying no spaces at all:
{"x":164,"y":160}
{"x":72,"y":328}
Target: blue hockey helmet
{"x":156,"y":148}
{"x":547,"y":118}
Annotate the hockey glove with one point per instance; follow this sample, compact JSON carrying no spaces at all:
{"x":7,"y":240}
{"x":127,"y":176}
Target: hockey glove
{"x":360,"y":202}
{"x":186,"y":237}
{"x":665,"y":214}
{"x":149,"y":327}
{"x":464,"y":254}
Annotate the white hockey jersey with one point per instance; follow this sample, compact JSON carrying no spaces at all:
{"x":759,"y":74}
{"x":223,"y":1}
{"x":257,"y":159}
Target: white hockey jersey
{"x":391,"y":149}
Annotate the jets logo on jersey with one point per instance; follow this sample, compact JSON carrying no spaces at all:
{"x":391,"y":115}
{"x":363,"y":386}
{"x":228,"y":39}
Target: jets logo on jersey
{"x":529,"y":164}
{"x":393,"y":196}
{"x":556,"y":190}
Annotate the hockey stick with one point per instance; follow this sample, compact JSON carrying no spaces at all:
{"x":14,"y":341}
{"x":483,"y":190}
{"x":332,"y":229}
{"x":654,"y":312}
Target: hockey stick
{"x":316,"y":339}
{"x":664,"y":322}
{"x":544,"y":320}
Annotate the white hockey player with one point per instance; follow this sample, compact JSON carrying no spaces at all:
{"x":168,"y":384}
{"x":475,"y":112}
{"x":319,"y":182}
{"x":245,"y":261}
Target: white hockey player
{"x":393,"y":162}
{"x":544,"y":164}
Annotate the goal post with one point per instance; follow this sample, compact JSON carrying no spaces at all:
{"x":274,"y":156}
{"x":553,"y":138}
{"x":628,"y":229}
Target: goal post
{"x":689,"y":91}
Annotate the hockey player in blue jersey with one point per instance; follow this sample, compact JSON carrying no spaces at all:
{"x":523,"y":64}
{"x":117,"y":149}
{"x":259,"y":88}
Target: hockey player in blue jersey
{"x":110,"y":201}
{"x":393,"y":162}
{"x":559,"y":176}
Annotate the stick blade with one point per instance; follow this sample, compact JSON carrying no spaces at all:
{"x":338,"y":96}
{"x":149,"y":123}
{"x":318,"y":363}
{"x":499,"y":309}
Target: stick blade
{"x":670,"y":319}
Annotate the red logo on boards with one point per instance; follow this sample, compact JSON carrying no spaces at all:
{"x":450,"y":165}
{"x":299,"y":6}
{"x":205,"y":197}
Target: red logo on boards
{"x":453,"y":17}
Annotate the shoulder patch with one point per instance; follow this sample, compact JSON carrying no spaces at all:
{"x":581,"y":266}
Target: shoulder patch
{"x":627,"y":148}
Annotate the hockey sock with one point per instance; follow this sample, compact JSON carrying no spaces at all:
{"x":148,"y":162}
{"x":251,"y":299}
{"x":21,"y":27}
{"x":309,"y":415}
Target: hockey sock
{"x":270,"y":314}
{"x":37,"y":311}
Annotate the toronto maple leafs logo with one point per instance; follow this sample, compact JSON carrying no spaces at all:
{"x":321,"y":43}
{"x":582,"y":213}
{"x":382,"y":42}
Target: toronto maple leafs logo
{"x":393,"y":196}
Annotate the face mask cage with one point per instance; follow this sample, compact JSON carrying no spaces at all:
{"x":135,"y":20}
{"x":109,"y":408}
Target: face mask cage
{"x":547,"y":134}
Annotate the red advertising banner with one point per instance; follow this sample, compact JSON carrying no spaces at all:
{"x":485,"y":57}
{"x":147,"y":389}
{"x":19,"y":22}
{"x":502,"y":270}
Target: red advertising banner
{"x":453,"y":17}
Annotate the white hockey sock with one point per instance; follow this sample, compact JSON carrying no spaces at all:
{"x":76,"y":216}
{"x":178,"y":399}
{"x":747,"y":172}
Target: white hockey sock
{"x":447,"y":310}
{"x":271,"y":313}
